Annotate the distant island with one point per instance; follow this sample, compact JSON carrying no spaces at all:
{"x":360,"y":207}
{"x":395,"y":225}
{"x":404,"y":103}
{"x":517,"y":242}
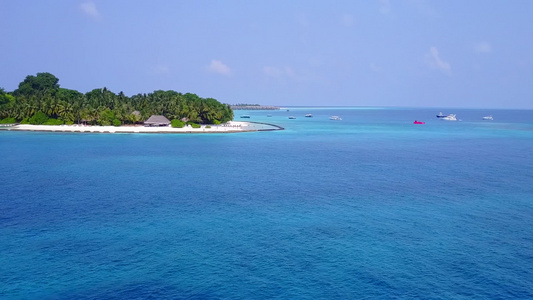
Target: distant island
{"x":39,"y":100}
{"x":253,"y":107}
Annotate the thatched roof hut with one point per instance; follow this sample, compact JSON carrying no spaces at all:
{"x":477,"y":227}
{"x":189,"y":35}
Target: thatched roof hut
{"x":157,"y":120}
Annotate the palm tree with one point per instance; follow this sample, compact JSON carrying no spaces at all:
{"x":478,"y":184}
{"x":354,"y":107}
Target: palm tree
{"x":65,"y":111}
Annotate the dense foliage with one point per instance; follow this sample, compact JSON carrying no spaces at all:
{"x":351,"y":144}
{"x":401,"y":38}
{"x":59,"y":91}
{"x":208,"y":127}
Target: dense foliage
{"x":39,"y":100}
{"x":177,"y":123}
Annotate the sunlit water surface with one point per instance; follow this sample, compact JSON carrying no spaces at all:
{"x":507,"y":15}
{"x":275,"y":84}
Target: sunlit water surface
{"x":371,"y":206}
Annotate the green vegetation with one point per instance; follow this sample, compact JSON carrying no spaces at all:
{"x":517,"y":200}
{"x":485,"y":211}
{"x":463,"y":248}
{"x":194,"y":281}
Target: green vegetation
{"x":194,"y":125}
{"x":53,"y":122}
{"x":38,"y":118}
{"x":40,"y":100}
{"x":177,"y":123}
{"x":8,"y":121}
{"x":5,"y":98}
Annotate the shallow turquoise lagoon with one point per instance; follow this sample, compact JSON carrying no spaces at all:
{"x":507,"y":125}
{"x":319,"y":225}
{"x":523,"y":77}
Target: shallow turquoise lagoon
{"x":368,"y":207}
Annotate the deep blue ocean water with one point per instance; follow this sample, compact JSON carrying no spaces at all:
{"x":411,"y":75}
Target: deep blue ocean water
{"x":370,"y":207}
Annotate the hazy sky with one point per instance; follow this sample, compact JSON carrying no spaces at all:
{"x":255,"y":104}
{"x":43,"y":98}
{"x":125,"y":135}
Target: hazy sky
{"x":453,"y":53}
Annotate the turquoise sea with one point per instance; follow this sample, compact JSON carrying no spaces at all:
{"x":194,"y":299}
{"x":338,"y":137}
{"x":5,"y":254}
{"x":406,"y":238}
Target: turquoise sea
{"x":369,"y":207}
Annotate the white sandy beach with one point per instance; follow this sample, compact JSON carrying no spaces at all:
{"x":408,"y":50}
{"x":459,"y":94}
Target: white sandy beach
{"x":233,"y":126}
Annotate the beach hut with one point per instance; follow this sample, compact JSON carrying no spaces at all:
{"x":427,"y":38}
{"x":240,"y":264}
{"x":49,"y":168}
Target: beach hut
{"x":157,"y":120}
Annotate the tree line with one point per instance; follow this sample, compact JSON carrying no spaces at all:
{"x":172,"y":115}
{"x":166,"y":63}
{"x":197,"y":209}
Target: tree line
{"x":40,"y":100}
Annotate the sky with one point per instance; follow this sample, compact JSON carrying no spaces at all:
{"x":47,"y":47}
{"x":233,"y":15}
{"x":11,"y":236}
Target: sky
{"x":406,"y":53}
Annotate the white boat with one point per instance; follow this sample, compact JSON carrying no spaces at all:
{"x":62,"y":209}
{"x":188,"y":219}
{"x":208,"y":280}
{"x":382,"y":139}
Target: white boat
{"x":309,"y":116}
{"x":440,"y":115}
{"x":292,"y":117}
{"x":335,"y":118}
{"x":488,"y":118}
{"x":450,"y":117}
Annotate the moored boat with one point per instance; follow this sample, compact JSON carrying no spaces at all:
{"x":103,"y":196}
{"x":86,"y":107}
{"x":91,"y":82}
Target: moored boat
{"x":490,"y":118}
{"x":309,"y":116}
{"x":335,"y":118}
{"x":245,"y":116}
{"x":450,"y":117}
{"x":418,"y":122}
{"x":292,"y":117}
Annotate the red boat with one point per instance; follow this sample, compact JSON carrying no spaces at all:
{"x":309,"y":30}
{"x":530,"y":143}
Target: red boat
{"x":418,"y":122}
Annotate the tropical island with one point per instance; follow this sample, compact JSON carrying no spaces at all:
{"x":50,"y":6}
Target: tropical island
{"x":244,"y":106}
{"x":40,"y":104}
{"x":40,"y":100}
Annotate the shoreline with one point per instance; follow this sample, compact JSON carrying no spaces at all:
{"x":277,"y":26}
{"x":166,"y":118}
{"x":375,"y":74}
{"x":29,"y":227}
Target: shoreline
{"x":230,"y":127}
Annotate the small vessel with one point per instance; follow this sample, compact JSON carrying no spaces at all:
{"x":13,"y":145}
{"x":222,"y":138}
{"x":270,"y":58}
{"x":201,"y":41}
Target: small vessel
{"x":309,"y":116}
{"x":292,"y":117}
{"x":335,"y":118}
{"x":440,"y":115}
{"x":418,"y":122}
{"x":245,"y":116}
{"x":490,"y":118}
{"x":269,"y":115}
{"x":450,"y":117}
